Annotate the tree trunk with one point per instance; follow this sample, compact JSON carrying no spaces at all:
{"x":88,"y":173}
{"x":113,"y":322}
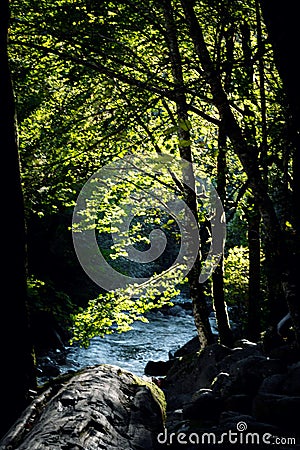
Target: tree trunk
{"x":277,"y":306}
{"x":262,"y":94}
{"x":282,"y":25}
{"x":253,"y":327}
{"x":200,"y":310}
{"x":17,"y":373}
{"x":225,"y":333}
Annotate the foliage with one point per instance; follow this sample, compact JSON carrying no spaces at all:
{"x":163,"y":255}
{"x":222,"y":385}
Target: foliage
{"x":94,"y":82}
{"x":236,"y":277}
{"x":42,"y":296}
{"x":118,"y":310}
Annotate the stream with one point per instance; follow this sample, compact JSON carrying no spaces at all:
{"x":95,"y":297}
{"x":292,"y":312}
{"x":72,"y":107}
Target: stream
{"x":167,"y":330}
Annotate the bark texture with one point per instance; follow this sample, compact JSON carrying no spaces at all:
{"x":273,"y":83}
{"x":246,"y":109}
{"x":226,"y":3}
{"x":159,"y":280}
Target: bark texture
{"x":225,"y":332}
{"x":200,"y":310}
{"x":101,"y":407}
{"x":253,"y":319}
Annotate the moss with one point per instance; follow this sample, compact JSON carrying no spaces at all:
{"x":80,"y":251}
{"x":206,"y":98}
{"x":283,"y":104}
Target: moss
{"x":156,"y":392}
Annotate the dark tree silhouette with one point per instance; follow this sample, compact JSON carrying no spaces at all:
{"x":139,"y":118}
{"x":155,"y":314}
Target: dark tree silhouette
{"x":282,"y":25}
{"x":16,"y":375}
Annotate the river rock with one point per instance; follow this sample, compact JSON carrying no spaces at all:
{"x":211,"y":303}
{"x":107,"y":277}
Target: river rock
{"x":245,"y":343}
{"x":191,"y":373}
{"x":278,"y":399}
{"x":192,"y":346}
{"x":240,"y":389}
{"x":280,"y":410}
{"x":158,"y":368}
{"x":291,"y":384}
{"x":101,"y":407}
{"x":287,"y":353}
{"x":232,"y":420}
{"x":272,"y":384}
{"x":241,"y":403}
{"x":49,"y":370}
{"x":236,"y":355}
{"x":177,"y":310}
{"x":205,"y":406}
{"x":247,"y":374}
{"x":221,"y":383}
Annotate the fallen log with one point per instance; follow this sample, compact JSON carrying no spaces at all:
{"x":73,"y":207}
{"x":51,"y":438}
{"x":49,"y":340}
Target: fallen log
{"x":102,"y":407}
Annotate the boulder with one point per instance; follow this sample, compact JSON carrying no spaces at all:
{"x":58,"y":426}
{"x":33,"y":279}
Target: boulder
{"x":205,"y":406}
{"x":246,"y":423}
{"x":279,"y":410}
{"x":287,"y":353}
{"x":272,"y":384}
{"x":192,"y":346}
{"x":291,"y":384}
{"x":220,"y":389}
{"x":221,"y":384}
{"x":100,"y":407}
{"x":271,"y":340}
{"x":191,"y":373}
{"x":177,"y":310}
{"x":227,"y":371}
{"x":158,"y":368}
{"x":244,"y":343}
{"x":247,"y":374}
{"x":49,"y":370}
{"x":236,"y":355}
{"x":241,"y":403}
{"x":244,"y":376}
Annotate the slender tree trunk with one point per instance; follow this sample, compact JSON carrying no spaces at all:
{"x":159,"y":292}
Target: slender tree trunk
{"x":17,"y":372}
{"x":224,"y":329}
{"x":253,"y":327}
{"x":277,"y":306}
{"x":225,"y":333}
{"x":262,"y":94}
{"x":200,"y":310}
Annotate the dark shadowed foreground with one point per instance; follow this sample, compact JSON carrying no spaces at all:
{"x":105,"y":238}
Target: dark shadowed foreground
{"x":102,"y":407}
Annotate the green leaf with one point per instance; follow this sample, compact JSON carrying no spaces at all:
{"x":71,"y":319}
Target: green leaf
{"x":184,"y":143}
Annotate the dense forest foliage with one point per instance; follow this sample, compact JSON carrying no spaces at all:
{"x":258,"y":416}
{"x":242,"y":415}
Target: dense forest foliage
{"x":152,"y":83}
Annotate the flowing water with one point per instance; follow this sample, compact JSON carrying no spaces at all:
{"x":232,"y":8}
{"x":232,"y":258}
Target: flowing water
{"x":165,"y":333}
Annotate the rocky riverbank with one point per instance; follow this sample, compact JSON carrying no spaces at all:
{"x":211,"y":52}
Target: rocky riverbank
{"x":244,"y":397}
